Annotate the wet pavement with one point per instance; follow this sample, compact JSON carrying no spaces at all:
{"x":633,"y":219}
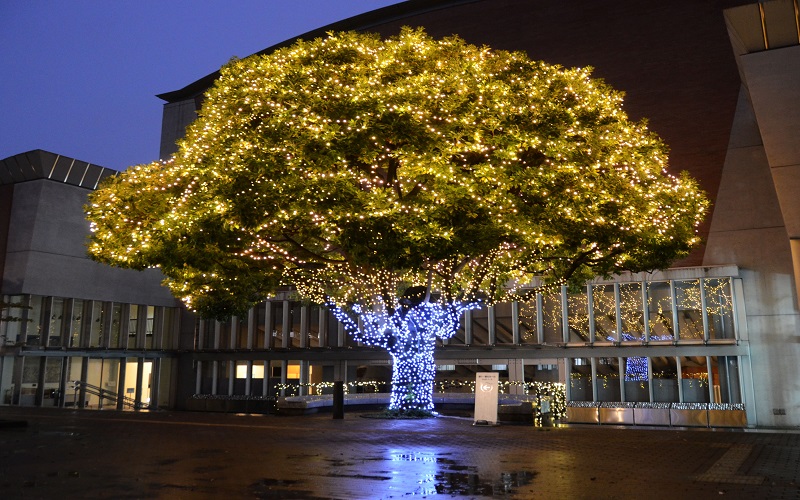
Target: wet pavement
{"x":92,"y":454}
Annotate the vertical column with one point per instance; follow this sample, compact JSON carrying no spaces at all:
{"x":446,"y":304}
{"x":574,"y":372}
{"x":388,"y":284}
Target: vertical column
{"x":121,"y":383}
{"x":284,"y":368}
{"x":594,"y":378}
{"x":42,"y":360}
{"x":108,"y":319}
{"x":248,"y":379}
{"x":44,"y":328}
{"x":139,"y":380}
{"x":621,"y":367}
{"x":712,"y":397}
{"x":618,"y":312}
{"x":650,"y":379}
{"x":515,"y":334}
{"x":516,"y":376}
{"x":646,"y":319}
{"x":155,"y":378}
{"x":704,"y":307}
{"x":198,"y":377}
{"x":590,"y":312}
{"x":341,"y":333}
{"x":680,"y":378}
{"x":217,"y":335}
{"x":287,"y":325}
{"x":231,"y":376}
{"x":564,"y":314}
{"x":323,"y":326}
{"x":84,"y":376}
{"x":468,"y":327}
{"x":303,"y":378}
{"x":304,"y":327}
{"x":491,"y":316}
{"x":251,"y":330}
{"x":141,"y":328}
{"x":540,"y":320}
{"x":673,"y":296}
{"x":66,"y":331}
{"x":214,"y":376}
{"x":269,"y":326}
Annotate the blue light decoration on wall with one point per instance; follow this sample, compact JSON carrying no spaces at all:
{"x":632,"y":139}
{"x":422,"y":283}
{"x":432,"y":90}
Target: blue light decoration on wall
{"x":636,"y":366}
{"x":409,"y":334}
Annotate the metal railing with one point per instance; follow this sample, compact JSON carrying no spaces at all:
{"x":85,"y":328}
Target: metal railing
{"x":105,"y":394}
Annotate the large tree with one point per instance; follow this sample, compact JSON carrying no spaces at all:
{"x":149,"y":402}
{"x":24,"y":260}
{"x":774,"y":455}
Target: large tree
{"x":399,"y":182}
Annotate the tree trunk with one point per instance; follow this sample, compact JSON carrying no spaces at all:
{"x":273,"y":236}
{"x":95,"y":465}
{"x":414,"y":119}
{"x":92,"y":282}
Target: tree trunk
{"x":413,"y":372}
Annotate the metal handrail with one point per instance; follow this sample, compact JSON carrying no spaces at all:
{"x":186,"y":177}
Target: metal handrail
{"x":109,"y":395}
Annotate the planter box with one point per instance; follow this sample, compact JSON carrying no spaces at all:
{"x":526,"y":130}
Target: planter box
{"x":617,"y":416}
{"x":583,"y":415}
{"x":689,"y":414}
{"x":651,"y":416}
{"x":727,"y":418}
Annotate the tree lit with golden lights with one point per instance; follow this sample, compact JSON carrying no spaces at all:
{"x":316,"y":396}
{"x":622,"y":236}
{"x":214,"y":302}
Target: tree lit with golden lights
{"x":400,"y":182}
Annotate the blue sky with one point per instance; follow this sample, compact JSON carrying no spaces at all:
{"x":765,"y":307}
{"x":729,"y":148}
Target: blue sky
{"x":79,"y":77}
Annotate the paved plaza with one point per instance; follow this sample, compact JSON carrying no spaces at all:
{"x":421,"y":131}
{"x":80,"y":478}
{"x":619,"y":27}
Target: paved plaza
{"x":93,"y":454}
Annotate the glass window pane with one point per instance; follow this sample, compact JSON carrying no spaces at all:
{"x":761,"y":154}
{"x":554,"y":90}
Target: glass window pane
{"x":56,"y":322}
{"x":116,"y":325}
{"x":33,"y":326}
{"x":605,"y":313}
{"x":725,"y":370}
{"x":527,"y":322}
{"x":690,"y":315}
{"x":659,"y":311}
{"x":313,"y":326}
{"x":241,"y":332}
{"x":719,"y":306}
{"x":77,"y":322}
{"x":694,"y":379}
{"x":551,"y":318}
{"x":637,"y":385}
{"x":224,"y":341}
{"x":13,"y":315}
{"x":665,"y":379}
{"x":480,"y":326}
{"x":98,"y":320}
{"x":578,"y":317}
{"x":580,"y":380}
{"x":259,"y":342}
{"x":150,"y":327}
{"x":504,"y":325}
{"x":608,"y":388}
{"x":133,"y":326}
{"x":630,"y":296}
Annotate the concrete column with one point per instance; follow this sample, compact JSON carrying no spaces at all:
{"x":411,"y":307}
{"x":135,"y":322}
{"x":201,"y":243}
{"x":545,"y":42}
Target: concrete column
{"x":516,"y":376}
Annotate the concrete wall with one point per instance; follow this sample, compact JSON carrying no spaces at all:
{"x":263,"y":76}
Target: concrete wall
{"x":747,"y":228}
{"x":46,"y":252}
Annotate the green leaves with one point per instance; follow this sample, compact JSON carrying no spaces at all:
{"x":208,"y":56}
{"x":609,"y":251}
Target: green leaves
{"x":353,"y":167}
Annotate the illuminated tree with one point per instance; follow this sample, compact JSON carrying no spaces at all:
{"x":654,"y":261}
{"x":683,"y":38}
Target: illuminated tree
{"x":400,"y":183}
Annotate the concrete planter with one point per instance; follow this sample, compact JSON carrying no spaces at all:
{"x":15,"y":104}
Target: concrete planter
{"x":579,"y":412}
{"x":651,"y":414}
{"x":616,"y":413}
{"x":689,"y":414}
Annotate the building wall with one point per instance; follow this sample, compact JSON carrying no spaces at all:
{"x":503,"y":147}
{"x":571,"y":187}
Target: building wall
{"x":46,"y":251}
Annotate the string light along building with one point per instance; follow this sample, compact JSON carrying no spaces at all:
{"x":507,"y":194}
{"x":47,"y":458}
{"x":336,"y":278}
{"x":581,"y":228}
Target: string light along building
{"x":710,"y":341}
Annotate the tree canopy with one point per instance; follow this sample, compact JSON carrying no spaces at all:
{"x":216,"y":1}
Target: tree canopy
{"x":354,"y":169}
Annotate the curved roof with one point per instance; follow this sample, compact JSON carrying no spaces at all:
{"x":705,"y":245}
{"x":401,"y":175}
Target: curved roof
{"x":41,"y":164}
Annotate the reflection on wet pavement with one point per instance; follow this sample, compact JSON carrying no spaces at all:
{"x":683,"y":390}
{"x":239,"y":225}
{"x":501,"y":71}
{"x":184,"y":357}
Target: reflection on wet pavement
{"x":401,"y":473}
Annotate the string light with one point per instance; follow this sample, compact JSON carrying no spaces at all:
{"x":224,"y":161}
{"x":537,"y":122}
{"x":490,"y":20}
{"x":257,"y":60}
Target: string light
{"x":353,"y":169}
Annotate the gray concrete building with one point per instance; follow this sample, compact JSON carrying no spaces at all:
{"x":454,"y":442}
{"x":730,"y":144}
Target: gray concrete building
{"x":711,"y":341}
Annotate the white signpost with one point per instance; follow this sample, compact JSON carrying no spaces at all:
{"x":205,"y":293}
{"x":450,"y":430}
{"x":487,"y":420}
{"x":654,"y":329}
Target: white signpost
{"x":486,"y":398}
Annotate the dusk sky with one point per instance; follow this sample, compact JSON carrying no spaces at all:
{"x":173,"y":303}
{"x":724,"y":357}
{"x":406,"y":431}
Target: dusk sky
{"x":80,"y":77}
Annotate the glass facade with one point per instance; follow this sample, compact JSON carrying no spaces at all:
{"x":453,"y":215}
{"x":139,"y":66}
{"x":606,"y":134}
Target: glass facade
{"x":65,"y":352}
{"x":641,"y":341}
